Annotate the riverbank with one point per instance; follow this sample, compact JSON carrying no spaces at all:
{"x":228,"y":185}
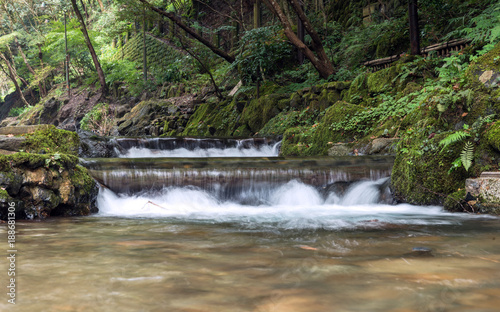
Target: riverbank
{"x":438,"y":116}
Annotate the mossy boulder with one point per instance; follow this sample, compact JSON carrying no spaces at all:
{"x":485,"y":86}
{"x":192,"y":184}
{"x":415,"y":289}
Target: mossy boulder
{"x":358,"y":90}
{"x":46,"y":185}
{"x":51,"y":140}
{"x":146,"y":117}
{"x":324,"y":136}
{"x":259,"y":111}
{"x":421,"y":173}
{"x":280,"y":123}
{"x":485,"y":71}
{"x":216,"y":119}
{"x":296,"y":142}
{"x":493,"y":136}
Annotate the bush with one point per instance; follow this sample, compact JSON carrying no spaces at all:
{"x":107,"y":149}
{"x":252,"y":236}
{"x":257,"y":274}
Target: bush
{"x":264,"y":51}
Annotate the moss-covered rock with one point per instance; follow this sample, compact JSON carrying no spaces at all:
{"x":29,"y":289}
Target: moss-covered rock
{"x":259,"y":111}
{"x":46,"y":185}
{"x":199,"y":123}
{"x":147,"y":117}
{"x":421,"y":173}
{"x":52,"y":140}
{"x":280,"y":123}
{"x":324,"y":136}
{"x":216,"y":119}
{"x":455,"y":202}
{"x":296,"y":141}
{"x":358,"y":90}
{"x":493,"y":136}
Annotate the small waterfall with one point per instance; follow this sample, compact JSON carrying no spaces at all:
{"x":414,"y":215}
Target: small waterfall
{"x":228,"y":176}
{"x":194,"y":147}
{"x":292,"y":205}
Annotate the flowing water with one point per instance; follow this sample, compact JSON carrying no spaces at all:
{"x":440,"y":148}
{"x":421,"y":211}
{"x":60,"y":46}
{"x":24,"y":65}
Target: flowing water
{"x":268,"y":244}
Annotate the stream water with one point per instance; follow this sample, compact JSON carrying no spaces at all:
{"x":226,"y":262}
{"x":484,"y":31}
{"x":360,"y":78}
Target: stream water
{"x":266,"y":244}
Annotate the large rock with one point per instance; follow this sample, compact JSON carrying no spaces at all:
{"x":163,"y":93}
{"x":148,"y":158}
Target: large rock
{"x":11,"y":143}
{"x":45,"y":185}
{"x":17,"y":130}
{"x":92,"y":146}
{"x":486,"y":188}
{"x":382,"y":146}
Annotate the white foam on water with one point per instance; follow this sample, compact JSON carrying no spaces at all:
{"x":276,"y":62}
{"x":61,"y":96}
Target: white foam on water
{"x":261,"y":151}
{"x":292,"y":206}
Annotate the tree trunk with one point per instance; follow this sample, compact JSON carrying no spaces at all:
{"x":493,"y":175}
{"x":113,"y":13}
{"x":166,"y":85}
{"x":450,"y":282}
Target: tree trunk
{"x":31,"y":70}
{"x":101,"y":5}
{"x":13,"y":77}
{"x":414,"y":31}
{"x":100,"y":73}
{"x":85,"y":10}
{"x":144,"y":55}
{"x":319,"y":61}
{"x":191,"y":32}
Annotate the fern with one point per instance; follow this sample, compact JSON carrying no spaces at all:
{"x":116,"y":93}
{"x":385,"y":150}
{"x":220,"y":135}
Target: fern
{"x":467,"y":155}
{"x":453,"y":138}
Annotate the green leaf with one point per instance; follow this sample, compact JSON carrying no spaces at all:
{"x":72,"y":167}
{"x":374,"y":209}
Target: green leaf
{"x":467,"y":155}
{"x":453,"y":138}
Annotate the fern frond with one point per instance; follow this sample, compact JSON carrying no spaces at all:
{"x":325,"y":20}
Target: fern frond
{"x":467,"y":155}
{"x":453,"y":138}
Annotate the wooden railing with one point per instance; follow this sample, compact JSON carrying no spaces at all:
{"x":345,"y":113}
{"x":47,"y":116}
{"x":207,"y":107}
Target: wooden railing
{"x":442,"y":49}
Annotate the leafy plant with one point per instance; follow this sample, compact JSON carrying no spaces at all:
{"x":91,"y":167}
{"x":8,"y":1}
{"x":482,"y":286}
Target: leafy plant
{"x":264,"y":52}
{"x":467,"y":155}
{"x":98,"y":119}
{"x":455,"y":137}
{"x":16,"y":111}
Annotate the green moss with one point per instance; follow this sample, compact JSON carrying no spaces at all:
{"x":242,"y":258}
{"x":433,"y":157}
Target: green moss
{"x":29,"y":160}
{"x":296,"y":142}
{"x":325,"y":100}
{"x":52,"y":140}
{"x":488,"y":61}
{"x":336,"y":85}
{"x":259,"y":111}
{"x":455,"y":201}
{"x":243,"y":131}
{"x":493,"y":136}
{"x":4,"y":196}
{"x":381,"y":80}
{"x":357,"y":91}
{"x":280,"y":123}
{"x":81,"y":179}
{"x":323,"y":134}
{"x":421,"y":171}
{"x":197,"y":124}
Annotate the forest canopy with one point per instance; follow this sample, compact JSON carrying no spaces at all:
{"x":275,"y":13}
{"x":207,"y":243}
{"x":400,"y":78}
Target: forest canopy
{"x":147,"y":44}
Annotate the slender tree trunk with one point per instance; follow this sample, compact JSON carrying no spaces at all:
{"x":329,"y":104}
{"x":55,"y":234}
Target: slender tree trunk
{"x":31,"y":70}
{"x":300,"y":34}
{"x":84,"y":10}
{"x":101,"y":5}
{"x":414,"y":31}
{"x":144,"y":55}
{"x":320,"y":61}
{"x":100,"y":73}
{"x":12,"y":76}
{"x":190,"y":31}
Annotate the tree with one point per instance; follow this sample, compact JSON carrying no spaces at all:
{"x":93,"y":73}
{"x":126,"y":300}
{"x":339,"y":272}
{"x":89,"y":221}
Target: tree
{"x":177,"y":20}
{"x":414,"y":32}
{"x":100,"y":72}
{"x":319,"y":60}
{"x":7,"y":58}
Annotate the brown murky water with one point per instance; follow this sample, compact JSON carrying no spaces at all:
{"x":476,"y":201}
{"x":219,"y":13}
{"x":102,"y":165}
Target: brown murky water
{"x":105,"y":263}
